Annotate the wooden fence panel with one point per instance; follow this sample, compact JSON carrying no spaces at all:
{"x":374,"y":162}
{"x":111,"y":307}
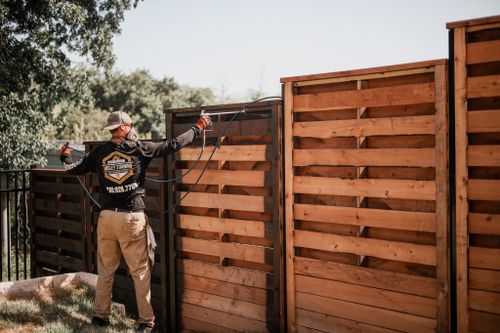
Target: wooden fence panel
{"x":366,"y":200}
{"x":228,"y":227}
{"x":477,"y":143}
{"x":57,"y":223}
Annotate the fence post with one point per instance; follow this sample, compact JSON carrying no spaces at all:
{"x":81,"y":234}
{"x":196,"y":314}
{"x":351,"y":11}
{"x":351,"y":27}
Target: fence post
{"x":5,"y":218}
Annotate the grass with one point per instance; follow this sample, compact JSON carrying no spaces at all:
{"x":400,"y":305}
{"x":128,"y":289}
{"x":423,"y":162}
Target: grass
{"x":61,"y":310}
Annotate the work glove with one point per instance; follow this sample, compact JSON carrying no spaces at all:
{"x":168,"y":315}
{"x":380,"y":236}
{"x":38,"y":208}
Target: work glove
{"x":203,"y":123}
{"x":65,"y":152}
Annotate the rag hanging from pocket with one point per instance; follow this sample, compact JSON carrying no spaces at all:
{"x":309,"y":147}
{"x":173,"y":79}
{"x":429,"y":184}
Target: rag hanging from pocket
{"x":151,"y":243}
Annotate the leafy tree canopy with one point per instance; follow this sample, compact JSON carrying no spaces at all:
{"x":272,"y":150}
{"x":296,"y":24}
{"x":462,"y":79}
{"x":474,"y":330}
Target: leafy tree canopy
{"x":36,"y":37}
{"x":139,"y":94}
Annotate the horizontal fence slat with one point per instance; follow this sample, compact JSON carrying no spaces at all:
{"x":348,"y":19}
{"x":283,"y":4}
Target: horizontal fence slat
{"x":405,"y":157}
{"x":59,"y":224}
{"x":365,"y":127}
{"x":391,"y":300}
{"x":484,"y":189}
{"x":224,"y":177}
{"x":398,"y":251}
{"x":57,"y":188}
{"x":365,"y":314}
{"x":481,"y":257}
{"x":238,"y":251}
{"x":223,"y":319}
{"x":222,"y":288}
{"x":242,"y":276}
{"x":483,"y":86}
{"x":224,"y":201}
{"x":256,"y":153}
{"x":488,"y":224}
{"x":370,"y":277}
{"x":60,"y":242}
{"x":483,"y":121}
{"x":228,"y":305}
{"x":379,"y":188}
{"x":387,"y":96}
{"x":222,"y":225}
{"x":488,"y":155}
{"x":484,"y":301}
{"x":58,"y":260}
{"x":379,"y":218}
{"x":484,"y":322}
{"x":326,"y":323}
{"x":484,"y":279}
{"x":240,"y":128}
{"x":482,"y":52}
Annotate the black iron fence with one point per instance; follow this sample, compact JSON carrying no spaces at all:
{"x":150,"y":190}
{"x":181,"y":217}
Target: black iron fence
{"x":14,"y":229}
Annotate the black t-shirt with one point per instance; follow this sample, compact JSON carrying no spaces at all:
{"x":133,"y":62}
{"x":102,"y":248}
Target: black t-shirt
{"x":122,"y":168}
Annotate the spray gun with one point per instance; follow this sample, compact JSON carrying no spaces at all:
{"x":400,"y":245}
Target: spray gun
{"x":210,"y":127}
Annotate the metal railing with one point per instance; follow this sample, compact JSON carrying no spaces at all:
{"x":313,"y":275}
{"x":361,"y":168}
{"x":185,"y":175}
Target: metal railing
{"x":14,"y":229}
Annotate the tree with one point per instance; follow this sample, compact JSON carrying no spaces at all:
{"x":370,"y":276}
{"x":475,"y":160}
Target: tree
{"x":139,"y":94}
{"x":36,"y":37}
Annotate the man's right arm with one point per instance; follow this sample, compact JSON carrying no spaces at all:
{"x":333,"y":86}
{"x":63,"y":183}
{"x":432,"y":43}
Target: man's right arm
{"x":74,"y":168}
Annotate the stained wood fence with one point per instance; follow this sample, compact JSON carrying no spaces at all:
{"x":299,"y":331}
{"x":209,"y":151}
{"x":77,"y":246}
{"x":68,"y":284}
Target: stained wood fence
{"x":57,"y":224}
{"x":476,"y":51}
{"x":228,"y":227}
{"x":364,"y":200}
{"x":366,"y":176}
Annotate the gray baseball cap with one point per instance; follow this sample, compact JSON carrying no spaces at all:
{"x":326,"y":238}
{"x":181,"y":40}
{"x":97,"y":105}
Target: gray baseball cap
{"x":116,"y":119}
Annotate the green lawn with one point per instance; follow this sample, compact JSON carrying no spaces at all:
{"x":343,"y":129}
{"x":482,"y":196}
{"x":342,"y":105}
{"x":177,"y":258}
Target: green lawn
{"x":57,"y":310}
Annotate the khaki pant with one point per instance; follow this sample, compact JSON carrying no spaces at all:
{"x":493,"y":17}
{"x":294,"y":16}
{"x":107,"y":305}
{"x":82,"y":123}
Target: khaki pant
{"x":123,"y":233}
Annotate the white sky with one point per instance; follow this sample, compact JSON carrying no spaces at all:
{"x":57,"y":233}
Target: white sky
{"x":232,"y":46}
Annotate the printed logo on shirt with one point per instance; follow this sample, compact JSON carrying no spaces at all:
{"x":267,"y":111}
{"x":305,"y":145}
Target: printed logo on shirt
{"x":117,"y":167}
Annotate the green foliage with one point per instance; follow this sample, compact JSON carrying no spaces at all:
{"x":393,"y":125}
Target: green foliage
{"x":139,"y":94}
{"x":35,"y":40}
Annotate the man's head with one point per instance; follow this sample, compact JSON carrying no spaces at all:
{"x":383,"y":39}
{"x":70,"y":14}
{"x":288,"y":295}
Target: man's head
{"x":119,"y":124}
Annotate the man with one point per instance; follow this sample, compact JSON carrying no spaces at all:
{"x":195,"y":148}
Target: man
{"x":121,"y":165}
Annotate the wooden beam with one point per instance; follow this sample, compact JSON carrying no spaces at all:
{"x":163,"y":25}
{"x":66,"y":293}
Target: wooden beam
{"x":225,"y":153}
{"x":483,"y":52}
{"x":483,"y":121}
{"x":405,"y":157}
{"x":289,"y":201}
{"x":366,"y":314}
{"x":410,"y":125}
{"x":378,"y":188}
{"x":462,"y":206}
{"x":222,"y":225}
{"x":442,"y":199}
{"x":370,"y":277}
{"x":229,"y":250}
{"x":398,"y":251}
{"x":224,"y":201}
{"x":369,"y":217}
{"x":484,"y":189}
{"x":487,"y":155}
{"x":488,"y":224}
{"x":390,"y":96}
{"x":483,"y":86}
{"x":224,"y":177}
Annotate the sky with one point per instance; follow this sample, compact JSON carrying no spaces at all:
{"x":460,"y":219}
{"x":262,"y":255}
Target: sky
{"x":234,"y":46}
